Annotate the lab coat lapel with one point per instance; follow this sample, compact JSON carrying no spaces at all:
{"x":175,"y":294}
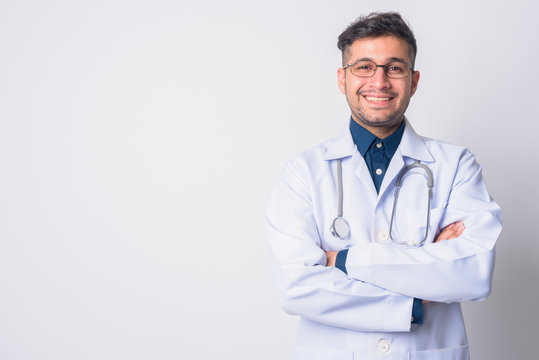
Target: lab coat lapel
{"x":411,"y":148}
{"x":395,"y":166}
{"x":362,"y":172}
{"x":343,"y":146}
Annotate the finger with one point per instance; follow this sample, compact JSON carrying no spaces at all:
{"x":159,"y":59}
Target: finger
{"x":451,"y":231}
{"x":445,"y":233}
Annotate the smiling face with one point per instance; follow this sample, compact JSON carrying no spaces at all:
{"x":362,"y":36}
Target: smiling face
{"x":378,"y":102}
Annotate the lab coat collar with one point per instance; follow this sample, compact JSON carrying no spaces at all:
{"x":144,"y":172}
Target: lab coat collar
{"x":412,"y":145}
{"x":340,"y":147}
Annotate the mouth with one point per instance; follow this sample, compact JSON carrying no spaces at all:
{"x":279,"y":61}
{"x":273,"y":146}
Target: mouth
{"x":378,"y":100}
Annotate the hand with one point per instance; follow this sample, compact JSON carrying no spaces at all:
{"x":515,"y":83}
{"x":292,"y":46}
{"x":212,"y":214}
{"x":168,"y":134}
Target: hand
{"x":451,"y":231}
{"x":331,"y":256}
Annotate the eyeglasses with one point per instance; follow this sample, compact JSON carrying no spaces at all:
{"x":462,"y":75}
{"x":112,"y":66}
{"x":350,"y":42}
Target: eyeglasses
{"x":367,"y":68}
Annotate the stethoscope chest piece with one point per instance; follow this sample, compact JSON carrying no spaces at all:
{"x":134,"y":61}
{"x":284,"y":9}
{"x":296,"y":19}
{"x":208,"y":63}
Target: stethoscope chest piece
{"x":340,"y":228}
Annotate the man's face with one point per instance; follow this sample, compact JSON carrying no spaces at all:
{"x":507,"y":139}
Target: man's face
{"x":378,"y":101}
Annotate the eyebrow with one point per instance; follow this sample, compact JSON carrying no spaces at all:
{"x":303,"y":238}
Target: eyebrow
{"x":391,"y":59}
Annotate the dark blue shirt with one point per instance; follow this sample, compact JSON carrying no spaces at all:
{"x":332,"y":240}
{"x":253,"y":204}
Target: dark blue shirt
{"x":377,"y":154}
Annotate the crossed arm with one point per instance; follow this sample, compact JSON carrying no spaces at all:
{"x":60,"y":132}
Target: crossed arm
{"x":451,"y":231}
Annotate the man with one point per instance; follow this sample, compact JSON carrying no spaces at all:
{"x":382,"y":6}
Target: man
{"x":372,"y":276}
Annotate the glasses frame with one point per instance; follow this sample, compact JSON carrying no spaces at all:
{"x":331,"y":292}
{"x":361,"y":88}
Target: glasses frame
{"x":376,"y":66}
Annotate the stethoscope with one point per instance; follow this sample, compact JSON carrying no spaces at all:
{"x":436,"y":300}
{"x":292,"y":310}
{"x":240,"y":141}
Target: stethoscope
{"x":340,"y":228}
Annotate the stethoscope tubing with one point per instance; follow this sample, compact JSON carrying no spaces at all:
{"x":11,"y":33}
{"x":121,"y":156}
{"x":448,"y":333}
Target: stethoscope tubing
{"x":398,"y":184}
{"x":340,"y":228}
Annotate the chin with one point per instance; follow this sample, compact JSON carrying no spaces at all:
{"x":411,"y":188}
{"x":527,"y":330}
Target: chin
{"x":381,"y":122}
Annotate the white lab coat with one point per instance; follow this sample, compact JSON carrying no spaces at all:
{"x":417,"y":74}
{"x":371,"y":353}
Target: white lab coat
{"x":367,"y":313}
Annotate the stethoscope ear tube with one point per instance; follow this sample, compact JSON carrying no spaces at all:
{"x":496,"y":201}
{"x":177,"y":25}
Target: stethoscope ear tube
{"x":340,"y":228}
{"x":339,"y":187}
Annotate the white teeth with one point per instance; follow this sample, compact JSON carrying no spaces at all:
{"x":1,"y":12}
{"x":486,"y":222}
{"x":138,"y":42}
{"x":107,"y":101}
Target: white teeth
{"x":376,"y":99}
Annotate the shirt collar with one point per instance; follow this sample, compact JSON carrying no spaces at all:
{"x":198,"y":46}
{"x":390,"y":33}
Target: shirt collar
{"x":364,"y":139}
{"x":411,"y":145}
{"x":393,"y":141}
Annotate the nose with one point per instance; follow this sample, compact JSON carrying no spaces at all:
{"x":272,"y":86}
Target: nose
{"x":380,"y":80}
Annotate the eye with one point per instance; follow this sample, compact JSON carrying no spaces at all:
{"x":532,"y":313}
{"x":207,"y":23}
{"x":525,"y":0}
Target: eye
{"x":395,"y":69}
{"x":363,"y":67}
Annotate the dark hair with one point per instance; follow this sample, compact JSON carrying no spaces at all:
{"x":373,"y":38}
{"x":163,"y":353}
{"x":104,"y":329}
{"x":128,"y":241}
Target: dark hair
{"x":374,"y":25}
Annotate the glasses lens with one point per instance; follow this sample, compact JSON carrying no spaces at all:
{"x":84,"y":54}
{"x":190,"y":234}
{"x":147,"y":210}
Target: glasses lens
{"x":397,"y":70}
{"x":394,"y":70}
{"x":363,"y":68}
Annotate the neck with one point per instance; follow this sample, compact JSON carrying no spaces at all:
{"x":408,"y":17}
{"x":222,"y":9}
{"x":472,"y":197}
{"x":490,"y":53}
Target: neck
{"x":381,"y":131}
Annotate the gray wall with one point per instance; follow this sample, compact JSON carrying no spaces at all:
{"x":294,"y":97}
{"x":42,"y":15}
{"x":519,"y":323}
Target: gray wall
{"x":139,"y":142}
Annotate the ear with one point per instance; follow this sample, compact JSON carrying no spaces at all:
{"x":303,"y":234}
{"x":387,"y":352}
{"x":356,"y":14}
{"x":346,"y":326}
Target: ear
{"x":341,"y":79}
{"x":415,"y":81}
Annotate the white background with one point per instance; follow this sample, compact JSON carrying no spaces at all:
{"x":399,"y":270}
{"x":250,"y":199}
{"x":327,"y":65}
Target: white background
{"x":140,"y":140}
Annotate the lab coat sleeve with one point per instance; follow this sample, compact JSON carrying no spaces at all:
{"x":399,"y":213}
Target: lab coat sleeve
{"x":308,"y":288}
{"x":448,"y":271}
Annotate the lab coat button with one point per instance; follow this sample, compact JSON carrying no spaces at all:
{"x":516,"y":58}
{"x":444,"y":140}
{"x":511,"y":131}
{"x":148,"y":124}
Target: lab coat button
{"x":383,"y":235}
{"x":383,"y":346}
{"x":378,"y":171}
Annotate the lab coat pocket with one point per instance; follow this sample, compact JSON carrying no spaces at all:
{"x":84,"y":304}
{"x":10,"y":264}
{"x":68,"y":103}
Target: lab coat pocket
{"x":416,"y":224}
{"x":453,"y":353}
{"x":301,"y":353}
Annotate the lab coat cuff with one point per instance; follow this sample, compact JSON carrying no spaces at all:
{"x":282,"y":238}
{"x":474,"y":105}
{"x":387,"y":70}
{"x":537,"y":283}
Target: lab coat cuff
{"x":359,"y":256}
{"x":398,"y":313}
{"x":340,"y":261}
